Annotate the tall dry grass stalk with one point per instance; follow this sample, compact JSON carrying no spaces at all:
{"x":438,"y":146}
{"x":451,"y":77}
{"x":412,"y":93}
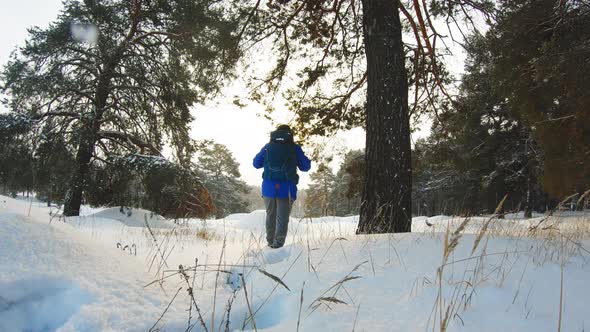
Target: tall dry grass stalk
{"x":191,"y":293}
{"x":451,"y":243}
{"x":300,"y":306}
{"x":356,"y":316}
{"x":485,"y":226}
{"x":247,"y":319}
{"x":248,"y":302}
{"x":325,"y":298}
{"x":216,"y":281}
{"x":560,"y":301}
{"x":228,"y":308}
{"x":585,"y":198}
{"x":165,"y":311}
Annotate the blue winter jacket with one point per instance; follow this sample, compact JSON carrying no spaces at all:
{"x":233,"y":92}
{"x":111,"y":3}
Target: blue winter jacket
{"x":285,"y":189}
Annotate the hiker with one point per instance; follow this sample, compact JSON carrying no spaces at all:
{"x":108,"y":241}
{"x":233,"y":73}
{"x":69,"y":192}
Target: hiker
{"x":280,"y":158}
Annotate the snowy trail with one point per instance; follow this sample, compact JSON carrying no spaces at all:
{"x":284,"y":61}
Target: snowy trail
{"x":71,"y":276}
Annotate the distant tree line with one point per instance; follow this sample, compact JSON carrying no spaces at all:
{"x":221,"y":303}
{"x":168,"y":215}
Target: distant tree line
{"x":96,"y":97}
{"x":42,"y":163}
{"x":337,"y":194}
{"x":118,"y":96}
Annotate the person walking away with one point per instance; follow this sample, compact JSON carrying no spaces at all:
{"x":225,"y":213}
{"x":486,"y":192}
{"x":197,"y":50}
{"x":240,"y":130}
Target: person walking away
{"x":281,"y":158}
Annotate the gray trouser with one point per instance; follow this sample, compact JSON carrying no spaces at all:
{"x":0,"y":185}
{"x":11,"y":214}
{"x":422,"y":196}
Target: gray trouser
{"x":277,"y":220}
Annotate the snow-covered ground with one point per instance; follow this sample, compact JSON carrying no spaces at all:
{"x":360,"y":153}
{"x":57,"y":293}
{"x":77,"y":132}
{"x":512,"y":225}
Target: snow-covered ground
{"x":108,"y":271}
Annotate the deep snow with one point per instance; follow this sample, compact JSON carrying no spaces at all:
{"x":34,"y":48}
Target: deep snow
{"x":99,"y":272}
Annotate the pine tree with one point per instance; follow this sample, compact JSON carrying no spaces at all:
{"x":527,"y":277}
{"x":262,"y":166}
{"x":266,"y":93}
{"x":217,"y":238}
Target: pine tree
{"x":541,"y":65}
{"x":53,"y":164}
{"x":16,"y":154}
{"x":517,"y":127}
{"x":153,"y":183}
{"x":221,"y":176}
{"x":481,"y":149}
{"x":122,"y":74}
{"x":386,"y":201}
{"x":348,"y":184}
{"x":319,"y":200}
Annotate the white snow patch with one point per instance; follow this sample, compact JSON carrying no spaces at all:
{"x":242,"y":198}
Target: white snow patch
{"x":132,"y":217}
{"x":39,"y":304}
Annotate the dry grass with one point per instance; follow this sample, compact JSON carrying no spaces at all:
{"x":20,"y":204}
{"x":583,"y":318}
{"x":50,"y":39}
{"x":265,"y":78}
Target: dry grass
{"x":558,"y":238}
{"x":186,"y":233}
{"x":205,"y":234}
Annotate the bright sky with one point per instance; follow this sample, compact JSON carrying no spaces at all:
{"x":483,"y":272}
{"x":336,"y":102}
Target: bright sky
{"x":17,"y":16}
{"x":243,"y":131}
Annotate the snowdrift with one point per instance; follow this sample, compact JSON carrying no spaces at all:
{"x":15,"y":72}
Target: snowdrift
{"x":133,"y":217}
{"x":54,"y":278}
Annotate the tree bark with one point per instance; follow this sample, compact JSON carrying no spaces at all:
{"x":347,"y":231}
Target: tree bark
{"x":528,"y":205}
{"x":89,"y":137}
{"x":528,"y":202}
{"x":79,"y":179}
{"x":386,"y":201}
{"x":49,"y":195}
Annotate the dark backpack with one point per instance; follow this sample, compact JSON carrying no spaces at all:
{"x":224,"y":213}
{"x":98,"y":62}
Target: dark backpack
{"x":280,"y":160}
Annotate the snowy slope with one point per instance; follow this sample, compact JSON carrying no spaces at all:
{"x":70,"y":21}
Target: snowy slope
{"x":132,"y":217}
{"x":73,"y":275}
{"x":54,"y":278}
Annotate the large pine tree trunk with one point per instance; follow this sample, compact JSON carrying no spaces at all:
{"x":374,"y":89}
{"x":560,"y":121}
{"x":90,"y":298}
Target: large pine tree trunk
{"x":88,"y":139}
{"x":386,"y":201}
{"x":79,"y":179}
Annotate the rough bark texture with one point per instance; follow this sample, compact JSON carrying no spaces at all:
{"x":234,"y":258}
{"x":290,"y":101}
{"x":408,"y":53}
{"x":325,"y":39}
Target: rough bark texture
{"x":79,"y":178}
{"x":88,"y":139}
{"x":386,"y":206}
{"x":528,"y":200}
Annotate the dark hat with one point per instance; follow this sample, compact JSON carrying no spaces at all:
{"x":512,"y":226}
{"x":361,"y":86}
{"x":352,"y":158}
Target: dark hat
{"x":284,"y":127}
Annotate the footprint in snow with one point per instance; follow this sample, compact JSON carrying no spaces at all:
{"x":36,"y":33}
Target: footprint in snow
{"x":234,"y":280}
{"x":268,"y":255}
{"x":265,"y":256}
{"x":273,"y":256}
